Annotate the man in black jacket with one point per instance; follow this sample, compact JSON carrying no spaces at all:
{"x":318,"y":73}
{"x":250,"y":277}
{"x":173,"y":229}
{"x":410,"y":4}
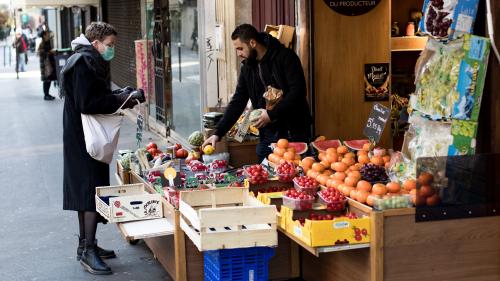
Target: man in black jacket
{"x":266,"y":62}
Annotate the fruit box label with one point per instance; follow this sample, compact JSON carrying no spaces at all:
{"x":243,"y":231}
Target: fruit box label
{"x":341,"y":225}
{"x":297,"y":231}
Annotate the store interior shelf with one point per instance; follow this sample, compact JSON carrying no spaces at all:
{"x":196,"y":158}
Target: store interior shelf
{"x":408,"y":43}
{"x":327,"y":249}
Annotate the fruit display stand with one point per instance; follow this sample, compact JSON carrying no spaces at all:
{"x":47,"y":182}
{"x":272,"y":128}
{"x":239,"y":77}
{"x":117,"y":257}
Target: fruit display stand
{"x":399,"y":248}
{"x":241,"y":154}
{"x":183,"y":261}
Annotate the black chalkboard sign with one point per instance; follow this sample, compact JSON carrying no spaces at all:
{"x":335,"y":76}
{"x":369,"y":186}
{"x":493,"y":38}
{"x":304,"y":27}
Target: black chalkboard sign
{"x":376,"y":122}
{"x":352,"y":7}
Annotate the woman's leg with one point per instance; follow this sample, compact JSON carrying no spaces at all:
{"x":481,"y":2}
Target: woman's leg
{"x":46,"y":90}
{"x":90,"y":226}
{"x":91,"y":260}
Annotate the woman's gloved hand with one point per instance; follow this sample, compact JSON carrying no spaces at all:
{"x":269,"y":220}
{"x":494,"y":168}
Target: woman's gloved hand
{"x":137,"y":96}
{"x":127,"y":90}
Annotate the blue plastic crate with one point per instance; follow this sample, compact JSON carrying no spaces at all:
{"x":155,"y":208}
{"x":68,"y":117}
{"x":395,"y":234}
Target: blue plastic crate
{"x":244,"y":264}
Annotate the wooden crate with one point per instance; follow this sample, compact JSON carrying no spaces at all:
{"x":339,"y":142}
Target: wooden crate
{"x":128,"y":203}
{"x":227,"y":218}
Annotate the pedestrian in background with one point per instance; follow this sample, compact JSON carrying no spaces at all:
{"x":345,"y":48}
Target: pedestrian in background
{"x":21,"y":46}
{"x":47,"y":64}
{"x":86,"y":88}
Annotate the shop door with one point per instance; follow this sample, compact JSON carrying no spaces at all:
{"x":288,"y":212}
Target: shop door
{"x":273,"y":12}
{"x":342,"y":45}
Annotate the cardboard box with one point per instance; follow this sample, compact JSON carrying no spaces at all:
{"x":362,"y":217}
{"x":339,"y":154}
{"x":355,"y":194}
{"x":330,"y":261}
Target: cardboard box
{"x":338,"y":231}
{"x":284,"y":33}
{"x":129,"y":202}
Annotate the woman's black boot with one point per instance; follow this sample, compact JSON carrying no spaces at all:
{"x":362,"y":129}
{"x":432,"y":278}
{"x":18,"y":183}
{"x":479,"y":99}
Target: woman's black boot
{"x":91,"y":261}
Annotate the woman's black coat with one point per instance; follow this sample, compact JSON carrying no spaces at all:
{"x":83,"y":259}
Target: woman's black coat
{"x":86,"y":90}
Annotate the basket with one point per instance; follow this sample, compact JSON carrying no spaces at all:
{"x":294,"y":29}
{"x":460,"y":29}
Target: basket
{"x":245,"y":264}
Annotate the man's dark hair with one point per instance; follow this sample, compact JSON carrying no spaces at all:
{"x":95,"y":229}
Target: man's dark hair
{"x":245,"y":33}
{"x":99,"y":31}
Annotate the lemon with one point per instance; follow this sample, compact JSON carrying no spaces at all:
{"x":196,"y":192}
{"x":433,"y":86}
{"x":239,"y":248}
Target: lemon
{"x":208,"y":149}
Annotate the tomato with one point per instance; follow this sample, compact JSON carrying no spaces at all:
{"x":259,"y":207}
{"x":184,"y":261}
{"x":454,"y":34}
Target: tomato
{"x":151,"y":145}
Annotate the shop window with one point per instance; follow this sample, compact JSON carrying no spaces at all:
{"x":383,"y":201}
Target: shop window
{"x":185,"y":65}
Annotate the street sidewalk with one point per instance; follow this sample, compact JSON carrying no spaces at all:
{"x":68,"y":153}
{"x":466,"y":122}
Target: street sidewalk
{"x":38,"y":237}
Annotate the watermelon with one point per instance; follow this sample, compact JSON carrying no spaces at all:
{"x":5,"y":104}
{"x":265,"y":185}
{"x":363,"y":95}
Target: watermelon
{"x":196,"y":138}
{"x":322,"y":146}
{"x":355,"y":144}
{"x":300,"y":147}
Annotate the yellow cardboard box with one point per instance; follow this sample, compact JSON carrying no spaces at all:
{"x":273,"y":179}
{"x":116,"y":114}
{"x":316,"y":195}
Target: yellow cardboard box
{"x":328,"y":232}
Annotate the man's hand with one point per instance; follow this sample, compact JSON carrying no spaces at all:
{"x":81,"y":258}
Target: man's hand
{"x":211,"y":140}
{"x":263,"y":120}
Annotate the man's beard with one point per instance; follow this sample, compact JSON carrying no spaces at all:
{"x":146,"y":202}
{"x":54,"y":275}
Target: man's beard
{"x":252,"y":57}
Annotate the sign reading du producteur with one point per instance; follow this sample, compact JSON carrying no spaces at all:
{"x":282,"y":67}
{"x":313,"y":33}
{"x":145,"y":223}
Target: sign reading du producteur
{"x":352,"y":7}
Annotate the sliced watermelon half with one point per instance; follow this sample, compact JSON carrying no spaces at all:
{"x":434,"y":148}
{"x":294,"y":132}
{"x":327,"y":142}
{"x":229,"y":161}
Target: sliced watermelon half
{"x":300,"y":147}
{"x":322,"y":146}
{"x":355,"y":144}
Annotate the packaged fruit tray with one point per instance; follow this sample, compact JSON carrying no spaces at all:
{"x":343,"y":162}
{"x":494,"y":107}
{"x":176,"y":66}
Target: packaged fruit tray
{"x":256,"y":174}
{"x":393,"y":202}
{"x":302,"y":201}
{"x":286,"y":172}
{"x":306,"y":185}
{"x":333,"y":205}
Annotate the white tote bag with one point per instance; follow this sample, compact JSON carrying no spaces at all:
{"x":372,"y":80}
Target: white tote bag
{"x":101,"y":132}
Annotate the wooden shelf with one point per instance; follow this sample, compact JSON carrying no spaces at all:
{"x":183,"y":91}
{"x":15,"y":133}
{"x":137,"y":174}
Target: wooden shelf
{"x":327,"y":249}
{"x":408,"y":43}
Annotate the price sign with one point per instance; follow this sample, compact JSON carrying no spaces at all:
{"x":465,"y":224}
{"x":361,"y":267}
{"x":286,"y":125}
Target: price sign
{"x":376,"y":122}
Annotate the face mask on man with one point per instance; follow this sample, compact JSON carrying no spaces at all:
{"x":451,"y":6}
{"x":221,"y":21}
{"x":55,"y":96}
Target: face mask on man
{"x":109,"y":52}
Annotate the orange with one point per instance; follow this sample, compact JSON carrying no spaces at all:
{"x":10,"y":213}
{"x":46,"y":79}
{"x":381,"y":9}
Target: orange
{"x":393,"y":187}
{"x":307,"y":162}
{"x":339,"y":166}
{"x":353,"y":193}
{"x":312,"y":174}
{"x":332,"y":158}
{"x":322,"y":179}
{"x":325,"y":163}
{"x":370,"y":200}
{"x":342,"y":149}
{"x":379,"y":189}
{"x":363,"y":159}
{"x":350,"y":155}
{"x":364,"y":185}
{"x":331,"y":150}
{"x":274,"y":158}
{"x":350,"y":181}
{"x":279,"y":151}
{"x":377,"y":160}
{"x":354,"y":174}
{"x":339,"y":176}
{"x":409,"y":184}
{"x":346,"y":190}
{"x":328,"y":172}
{"x":291,"y":149}
{"x":282,"y":143}
{"x":362,"y":196}
{"x":348,"y":161}
{"x":336,"y":183}
{"x":321,"y":156}
{"x":289,"y":156}
{"x":318,"y":167}
{"x":362,"y":152}
{"x":320,"y":138}
{"x":366,"y":146}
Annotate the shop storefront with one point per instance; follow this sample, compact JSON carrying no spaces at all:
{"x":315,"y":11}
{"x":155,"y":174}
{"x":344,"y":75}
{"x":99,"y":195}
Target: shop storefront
{"x":386,"y":193}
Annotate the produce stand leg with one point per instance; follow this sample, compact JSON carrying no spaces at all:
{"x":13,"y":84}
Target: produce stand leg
{"x":377,"y":246}
{"x":180,"y":251}
{"x":294,"y":259}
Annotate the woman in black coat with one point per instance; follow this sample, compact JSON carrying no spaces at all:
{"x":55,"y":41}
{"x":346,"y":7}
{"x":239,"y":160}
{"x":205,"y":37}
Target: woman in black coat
{"x":85,"y":85}
{"x":47,"y":64}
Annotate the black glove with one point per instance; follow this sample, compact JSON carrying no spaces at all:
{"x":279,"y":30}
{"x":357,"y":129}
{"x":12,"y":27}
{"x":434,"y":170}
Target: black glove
{"x":127,"y":90}
{"x":136,"y":97}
